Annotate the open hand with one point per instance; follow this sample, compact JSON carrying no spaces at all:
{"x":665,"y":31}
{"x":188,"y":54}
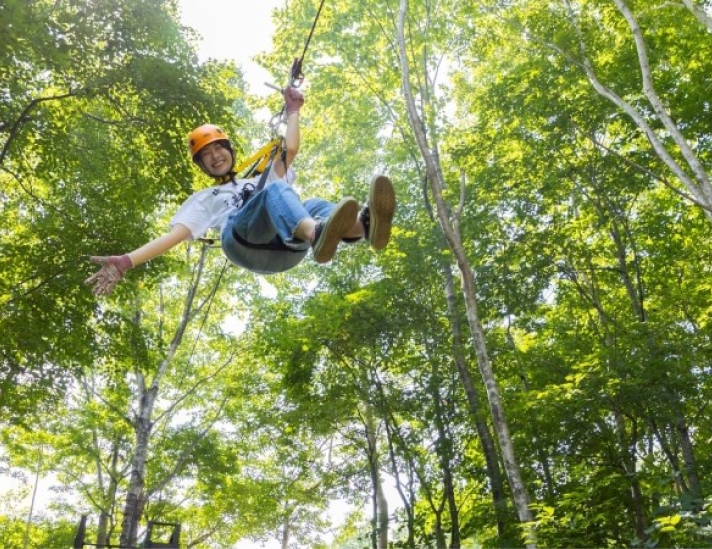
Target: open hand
{"x":113,"y":269}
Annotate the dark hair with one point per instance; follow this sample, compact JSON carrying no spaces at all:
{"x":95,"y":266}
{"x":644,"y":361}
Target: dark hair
{"x":225,"y":143}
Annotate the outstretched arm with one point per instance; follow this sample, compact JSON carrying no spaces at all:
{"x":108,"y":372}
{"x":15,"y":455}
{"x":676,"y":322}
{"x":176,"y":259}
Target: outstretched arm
{"x":293,"y":100}
{"x":114,"y":267}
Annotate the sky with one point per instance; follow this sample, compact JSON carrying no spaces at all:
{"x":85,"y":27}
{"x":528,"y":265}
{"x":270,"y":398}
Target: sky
{"x":235,"y":30}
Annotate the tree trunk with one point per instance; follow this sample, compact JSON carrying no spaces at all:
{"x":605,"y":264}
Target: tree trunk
{"x":670,"y":454}
{"x":382,"y":516}
{"x":444,"y":450}
{"x":688,"y":454}
{"x":133,"y":508}
{"x":408,"y":498}
{"x":637,"y":298}
{"x":143,"y":422}
{"x":630,"y":469}
{"x":489,"y":449}
{"x":380,"y":503}
{"x":104,"y":528}
{"x":285,"y":531}
{"x":453,"y":237}
{"x":28,"y":525}
{"x":440,"y":540}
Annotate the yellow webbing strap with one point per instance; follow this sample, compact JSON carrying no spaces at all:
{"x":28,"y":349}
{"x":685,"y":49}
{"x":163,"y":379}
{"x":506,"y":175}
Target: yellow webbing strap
{"x":263,"y":156}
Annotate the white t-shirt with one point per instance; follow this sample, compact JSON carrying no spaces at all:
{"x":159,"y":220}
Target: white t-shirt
{"x":210,"y":208}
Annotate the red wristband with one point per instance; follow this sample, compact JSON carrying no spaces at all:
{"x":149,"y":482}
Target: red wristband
{"x":122,"y":262}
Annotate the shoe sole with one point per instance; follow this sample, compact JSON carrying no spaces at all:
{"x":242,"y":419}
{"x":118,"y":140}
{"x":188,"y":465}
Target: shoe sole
{"x":340,"y":223}
{"x":382,"y":203}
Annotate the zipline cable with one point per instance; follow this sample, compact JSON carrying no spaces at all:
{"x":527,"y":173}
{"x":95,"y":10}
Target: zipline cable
{"x":262,"y":159}
{"x":296,"y":74}
{"x":296,"y":77}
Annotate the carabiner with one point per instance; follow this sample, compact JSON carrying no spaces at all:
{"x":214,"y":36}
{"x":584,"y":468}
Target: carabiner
{"x":296,"y":76}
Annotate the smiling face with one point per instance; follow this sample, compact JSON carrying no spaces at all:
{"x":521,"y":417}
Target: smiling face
{"x":216,"y":158}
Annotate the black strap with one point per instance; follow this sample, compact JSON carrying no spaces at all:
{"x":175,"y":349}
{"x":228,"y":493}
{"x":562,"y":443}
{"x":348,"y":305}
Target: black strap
{"x":263,"y":178}
{"x":275,"y":245}
{"x":296,"y":74}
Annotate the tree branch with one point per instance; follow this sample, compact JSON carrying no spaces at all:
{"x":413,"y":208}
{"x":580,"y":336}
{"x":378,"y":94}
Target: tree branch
{"x":180,"y":330}
{"x":197,"y":384}
{"x":699,"y":13}
{"x":639,"y":167}
{"x":180,"y":462}
{"x":15,"y":129}
{"x":652,"y":95}
{"x":696,"y":189}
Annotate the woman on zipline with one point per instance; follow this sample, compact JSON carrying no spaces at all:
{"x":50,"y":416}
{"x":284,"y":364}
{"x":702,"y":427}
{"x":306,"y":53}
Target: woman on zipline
{"x":267,"y":231}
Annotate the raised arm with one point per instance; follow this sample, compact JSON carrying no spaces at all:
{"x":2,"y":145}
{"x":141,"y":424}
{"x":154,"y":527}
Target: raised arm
{"x":114,"y":267}
{"x":293,"y":100}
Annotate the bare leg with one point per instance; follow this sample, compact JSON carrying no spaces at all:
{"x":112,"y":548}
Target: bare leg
{"x":305,"y":230}
{"x":357,"y":231}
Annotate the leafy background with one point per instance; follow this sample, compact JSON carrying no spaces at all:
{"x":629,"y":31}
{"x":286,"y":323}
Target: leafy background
{"x":560,"y":400}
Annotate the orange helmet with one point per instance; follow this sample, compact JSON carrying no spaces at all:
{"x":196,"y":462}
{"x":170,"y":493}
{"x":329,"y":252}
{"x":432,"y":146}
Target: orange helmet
{"x":202,"y":135}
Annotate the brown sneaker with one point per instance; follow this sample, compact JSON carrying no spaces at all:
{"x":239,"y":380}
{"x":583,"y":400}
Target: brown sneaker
{"x":331,"y":230}
{"x":377,"y":214}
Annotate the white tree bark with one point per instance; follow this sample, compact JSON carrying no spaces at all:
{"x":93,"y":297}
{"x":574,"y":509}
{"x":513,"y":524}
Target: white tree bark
{"x":143,"y":420}
{"x":454,"y":240}
{"x":28,"y":523}
{"x":380,"y":518}
{"x":698,"y":184}
{"x":698,"y":12}
{"x":286,"y":530}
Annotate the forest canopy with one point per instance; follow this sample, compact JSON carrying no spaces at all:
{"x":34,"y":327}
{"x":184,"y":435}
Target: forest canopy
{"x":526,"y":364}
